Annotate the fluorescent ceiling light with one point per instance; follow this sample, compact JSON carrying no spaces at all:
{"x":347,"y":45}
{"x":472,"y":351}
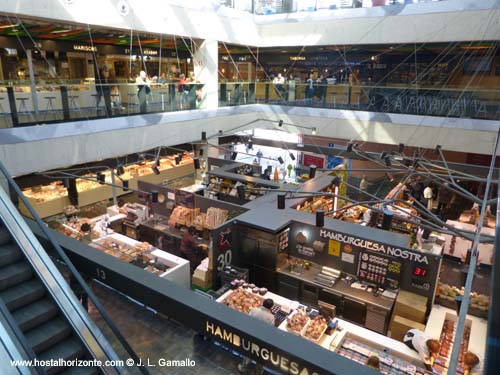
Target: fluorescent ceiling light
{"x":6,"y":26}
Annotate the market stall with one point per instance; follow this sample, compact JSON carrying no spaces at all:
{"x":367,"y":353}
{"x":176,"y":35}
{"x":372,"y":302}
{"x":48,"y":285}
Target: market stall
{"x":50,"y":199}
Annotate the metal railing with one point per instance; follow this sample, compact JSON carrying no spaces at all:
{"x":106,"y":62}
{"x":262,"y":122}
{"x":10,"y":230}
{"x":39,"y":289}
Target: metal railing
{"x":404,"y":99}
{"x":22,"y":104}
{"x":74,"y":272}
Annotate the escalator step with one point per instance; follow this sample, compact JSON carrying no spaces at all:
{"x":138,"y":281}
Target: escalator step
{"x":48,"y":334}
{"x":5,"y":237}
{"x":22,"y":294}
{"x":68,"y":349}
{"x":14,"y":274}
{"x":9,"y":254}
{"x":82,"y":371}
{"x":34,"y":314}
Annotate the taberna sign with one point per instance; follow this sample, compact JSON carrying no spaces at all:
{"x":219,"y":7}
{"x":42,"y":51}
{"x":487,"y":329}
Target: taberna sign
{"x":261,"y":353}
{"x":375,"y":246}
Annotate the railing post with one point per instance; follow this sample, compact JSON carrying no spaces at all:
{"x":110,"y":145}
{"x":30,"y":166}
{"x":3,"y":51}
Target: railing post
{"x":65,"y":103}
{"x":12,"y":105}
{"x":251,"y":93}
{"x":223,"y":93}
{"x":266,"y":98}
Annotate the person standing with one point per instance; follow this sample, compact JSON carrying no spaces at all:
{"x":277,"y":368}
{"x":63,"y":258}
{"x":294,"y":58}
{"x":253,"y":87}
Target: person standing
{"x":259,"y":155}
{"x":472,"y":364}
{"x":264,"y":314}
{"x":189,"y":248}
{"x":143,"y":90}
{"x":183,"y":90}
{"x":80,"y":293}
{"x":309,"y":89}
{"x":426,"y":347}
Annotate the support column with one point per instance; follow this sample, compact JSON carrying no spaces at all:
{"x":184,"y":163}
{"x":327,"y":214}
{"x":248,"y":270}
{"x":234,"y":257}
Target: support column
{"x":206,"y":68}
{"x":34,"y":95}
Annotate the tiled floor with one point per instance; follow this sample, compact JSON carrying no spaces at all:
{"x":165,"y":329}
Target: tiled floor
{"x":154,"y":337}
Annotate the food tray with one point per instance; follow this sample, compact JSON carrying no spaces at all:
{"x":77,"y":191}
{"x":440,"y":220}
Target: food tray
{"x":292,"y":330}
{"x":304,"y":330}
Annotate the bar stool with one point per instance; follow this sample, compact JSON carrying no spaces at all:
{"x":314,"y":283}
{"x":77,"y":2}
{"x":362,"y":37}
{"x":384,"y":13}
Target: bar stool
{"x":162,"y":94}
{"x":50,"y":105}
{"x":73,"y":104}
{"x":23,"y":109}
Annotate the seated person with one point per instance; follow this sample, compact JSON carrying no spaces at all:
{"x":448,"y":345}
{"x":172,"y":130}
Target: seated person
{"x":426,"y":347}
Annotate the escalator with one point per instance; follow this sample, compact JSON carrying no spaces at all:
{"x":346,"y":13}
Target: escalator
{"x":47,"y":331}
{"x":41,"y":320}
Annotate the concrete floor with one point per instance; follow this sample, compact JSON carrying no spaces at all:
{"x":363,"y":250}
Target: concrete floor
{"x":153,"y":337}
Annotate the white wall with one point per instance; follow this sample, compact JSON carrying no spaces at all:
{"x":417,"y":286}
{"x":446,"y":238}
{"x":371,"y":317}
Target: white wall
{"x":452,"y":20}
{"x":40,"y":148}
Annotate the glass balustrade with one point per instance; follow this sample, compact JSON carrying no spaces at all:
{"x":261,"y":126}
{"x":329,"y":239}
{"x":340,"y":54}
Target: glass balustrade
{"x":405,"y":99}
{"x":24,"y":104}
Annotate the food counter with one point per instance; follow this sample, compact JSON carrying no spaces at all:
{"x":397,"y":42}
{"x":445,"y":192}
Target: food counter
{"x":143,"y":255}
{"x":49,"y":200}
{"x":357,"y":343}
{"x":457,"y":246}
{"x":396,"y":357}
{"x":361,"y":304}
{"x":166,"y":236}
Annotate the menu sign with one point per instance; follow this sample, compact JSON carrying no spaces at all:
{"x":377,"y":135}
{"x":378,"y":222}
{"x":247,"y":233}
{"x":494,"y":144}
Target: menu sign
{"x":378,"y":269}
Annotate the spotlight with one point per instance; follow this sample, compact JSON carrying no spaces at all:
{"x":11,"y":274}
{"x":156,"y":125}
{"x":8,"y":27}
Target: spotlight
{"x":196,"y":163}
{"x":320,"y":218}
{"x":415,"y":163}
{"x":383,"y":155}
{"x":156,"y":163}
{"x":437,"y":149}
{"x":220,"y":132}
{"x":155,"y":169}
{"x":125,"y":185}
{"x":120,"y":170}
{"x":336,"y":181}
{"x":407,"y":162}
{"x":389,"y":176}
{"x":154,"y":196}
{"x":387,"y":220}
{"x":388,"y":161}
{"x":312,"y":171}
{"x":313,"y":131}
{"x":280,"y":159}
{"x":241,"y":192}
{"x":203,"y":136}
{"x":401,"y":148}
{"x":100,"y":178}
{"x":234,"y":155}
{"x":292,"y":156}
{"x":177,"y":159}
{"x":281,"y":201}
{"x":280,"y":123}
{"x":349,"y":147}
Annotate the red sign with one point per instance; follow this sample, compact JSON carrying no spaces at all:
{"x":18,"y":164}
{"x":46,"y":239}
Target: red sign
{"x":318,"y":161}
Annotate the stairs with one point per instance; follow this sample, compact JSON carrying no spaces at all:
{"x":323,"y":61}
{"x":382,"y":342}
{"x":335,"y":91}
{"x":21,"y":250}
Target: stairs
{"x":37,"y":315}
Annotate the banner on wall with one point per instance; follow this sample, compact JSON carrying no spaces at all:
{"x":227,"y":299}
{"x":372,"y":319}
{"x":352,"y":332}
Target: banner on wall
{"x":311,"y":159}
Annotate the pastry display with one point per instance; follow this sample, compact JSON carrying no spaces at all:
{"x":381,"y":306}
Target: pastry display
{"x":449,"y":293}
{"x":296,"y":322}
{"x":121,"y":250}
{"x":242,"y":301}
{"x":56,"y":189}
{"x":446,"y":343}
{"x":315,"y":328}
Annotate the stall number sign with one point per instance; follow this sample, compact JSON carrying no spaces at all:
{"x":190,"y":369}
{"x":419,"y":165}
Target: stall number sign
{"x":378,"y":269}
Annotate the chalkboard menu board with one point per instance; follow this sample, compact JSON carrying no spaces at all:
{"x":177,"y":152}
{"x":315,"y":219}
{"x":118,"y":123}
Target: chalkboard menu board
{"x":378,"y":269}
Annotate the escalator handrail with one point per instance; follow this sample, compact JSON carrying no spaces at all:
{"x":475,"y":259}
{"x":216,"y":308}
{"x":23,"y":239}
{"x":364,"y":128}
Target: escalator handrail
{"x":20,"y":337}
{"x":74,"y":271}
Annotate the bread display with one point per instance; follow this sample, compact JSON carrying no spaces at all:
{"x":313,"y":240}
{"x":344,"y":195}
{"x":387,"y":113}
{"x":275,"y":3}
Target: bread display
{"x":296,"y":322}
{"x":242,"y":300}
{"x":315,"y":328}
